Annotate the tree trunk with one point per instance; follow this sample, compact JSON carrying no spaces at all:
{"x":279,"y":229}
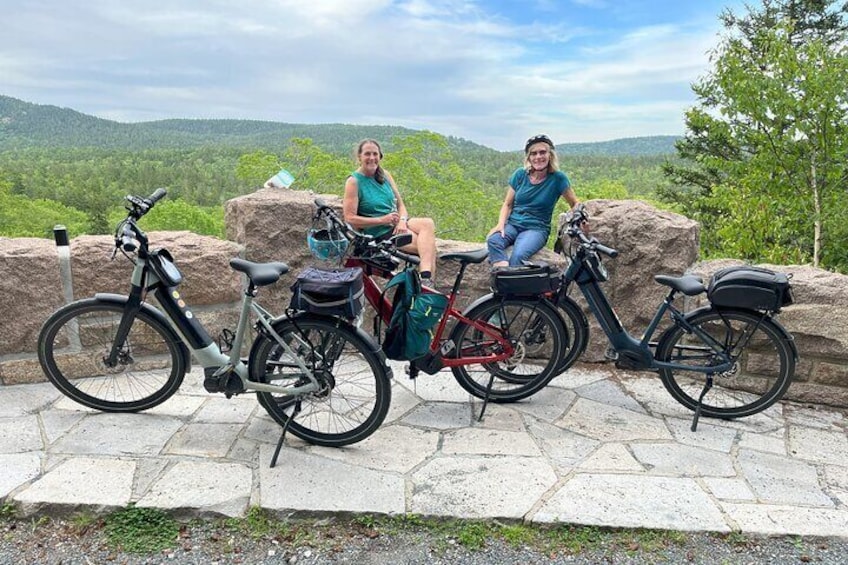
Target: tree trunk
{"x":817,"y":223}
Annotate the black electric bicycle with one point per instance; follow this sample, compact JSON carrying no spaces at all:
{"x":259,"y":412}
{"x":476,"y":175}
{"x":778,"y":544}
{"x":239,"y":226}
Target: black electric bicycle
{"x":726,"y":360}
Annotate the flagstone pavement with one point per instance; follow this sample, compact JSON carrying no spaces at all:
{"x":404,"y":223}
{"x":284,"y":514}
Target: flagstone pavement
{"x":595,"y":447}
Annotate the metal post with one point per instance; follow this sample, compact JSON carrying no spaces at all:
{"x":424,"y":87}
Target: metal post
{"x":60,"y":235}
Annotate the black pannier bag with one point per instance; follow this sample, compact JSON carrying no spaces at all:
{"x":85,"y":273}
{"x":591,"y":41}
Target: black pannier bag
{"x":748,"y":287}
{"x":333,"y":293}
{"x":527,"y":280}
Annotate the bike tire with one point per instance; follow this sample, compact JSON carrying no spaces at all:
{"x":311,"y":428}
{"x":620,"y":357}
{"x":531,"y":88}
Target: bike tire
{"x":576,"y":331}
{"x":356,"y":391}
{"x":74,"y":341}
{"x":765,"y":363}
{"x":538,"y":348}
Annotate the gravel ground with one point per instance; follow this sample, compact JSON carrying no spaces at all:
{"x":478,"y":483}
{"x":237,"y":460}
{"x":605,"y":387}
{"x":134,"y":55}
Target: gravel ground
{"x":366,"y":541}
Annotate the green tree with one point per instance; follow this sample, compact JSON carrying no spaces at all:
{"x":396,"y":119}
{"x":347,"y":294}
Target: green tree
{"x":255,"y":168}
{"x":765,"y":149}
{"x":21,"y":216}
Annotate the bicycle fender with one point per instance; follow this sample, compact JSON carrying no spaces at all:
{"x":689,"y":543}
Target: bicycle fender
{"x":482,"y":299}
{"x":786,"y":336}
{"x":584,"y":322}
{"x":122,"y":299}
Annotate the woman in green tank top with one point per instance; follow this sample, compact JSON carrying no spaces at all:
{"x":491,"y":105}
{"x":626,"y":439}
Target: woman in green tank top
{"x":372,"y":203}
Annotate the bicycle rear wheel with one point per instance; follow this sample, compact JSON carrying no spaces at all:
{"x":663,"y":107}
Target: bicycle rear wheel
{"x":74,"y":344}
{"x":355,"y":388}
{"x":533,"y":327}
{"x":762,"y":371}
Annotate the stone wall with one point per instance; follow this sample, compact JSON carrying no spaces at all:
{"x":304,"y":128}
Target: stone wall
{"x":31,"y":287}
{"x":271,"y":225}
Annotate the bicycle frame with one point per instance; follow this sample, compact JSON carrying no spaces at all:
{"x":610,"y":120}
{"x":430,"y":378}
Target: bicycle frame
{"x":374,"y":295}
{"x":195,"y":336}
{"x":638,"y":352}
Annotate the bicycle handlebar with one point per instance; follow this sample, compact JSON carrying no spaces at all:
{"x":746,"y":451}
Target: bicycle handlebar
{"x":127,"y":233}
{"x":580,"y":216}
{"x":386,"y":247}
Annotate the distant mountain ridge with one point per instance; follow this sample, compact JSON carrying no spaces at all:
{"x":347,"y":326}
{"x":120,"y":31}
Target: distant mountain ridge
{"x":24,"y":125}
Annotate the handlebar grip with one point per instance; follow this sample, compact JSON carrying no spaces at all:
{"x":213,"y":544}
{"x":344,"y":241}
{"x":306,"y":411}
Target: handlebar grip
{"x":157,"y":195}
{"x":414,"y":259}
{"x":608,"y":251}
{"x":320,"y":203}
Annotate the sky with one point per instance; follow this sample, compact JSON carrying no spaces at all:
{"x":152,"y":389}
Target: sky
{"x":491,"y":71}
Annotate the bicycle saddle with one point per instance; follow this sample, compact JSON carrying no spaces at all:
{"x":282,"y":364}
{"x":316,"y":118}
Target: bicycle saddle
{"x":476,"y":256}
{"x":260,"y":274}
{"x":689,"y":285}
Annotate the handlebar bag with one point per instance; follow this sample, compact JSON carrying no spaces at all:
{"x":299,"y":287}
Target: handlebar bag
{"x":162,"y":264}
{"x":525,"y":280}
{"x":335,"y":292}
{"x":748,"y":287}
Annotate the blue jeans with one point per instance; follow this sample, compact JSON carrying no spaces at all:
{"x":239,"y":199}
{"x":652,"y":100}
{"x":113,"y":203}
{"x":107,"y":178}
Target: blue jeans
{"x":526,"y":242}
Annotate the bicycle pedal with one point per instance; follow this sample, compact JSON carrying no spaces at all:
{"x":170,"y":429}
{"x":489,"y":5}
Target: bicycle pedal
{"x":611,"y":354}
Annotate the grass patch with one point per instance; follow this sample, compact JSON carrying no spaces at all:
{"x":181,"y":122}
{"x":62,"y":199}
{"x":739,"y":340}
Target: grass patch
{"x":575,"y":539}
{"x":517,"y":535}
{"x":8,"y":512}
{"x":141,"y":530}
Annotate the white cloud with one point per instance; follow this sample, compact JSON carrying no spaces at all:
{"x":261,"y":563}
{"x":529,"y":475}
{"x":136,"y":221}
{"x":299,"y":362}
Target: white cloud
{"x":451,"y":66}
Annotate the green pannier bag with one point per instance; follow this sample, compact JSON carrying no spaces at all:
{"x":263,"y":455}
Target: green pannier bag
{"x":414,"y":315}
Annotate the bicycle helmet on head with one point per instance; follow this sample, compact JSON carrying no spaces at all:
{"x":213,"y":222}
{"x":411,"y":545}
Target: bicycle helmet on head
{"x":541,"y":138}
{"x":326,"y":243}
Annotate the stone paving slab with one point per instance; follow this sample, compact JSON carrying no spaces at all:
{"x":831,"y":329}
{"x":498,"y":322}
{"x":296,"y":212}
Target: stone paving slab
{"x":594,"y":447}
{"x":634,"y":502}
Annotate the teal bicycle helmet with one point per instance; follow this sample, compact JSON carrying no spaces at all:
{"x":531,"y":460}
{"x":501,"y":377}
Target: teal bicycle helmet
{"x":326,"y":244}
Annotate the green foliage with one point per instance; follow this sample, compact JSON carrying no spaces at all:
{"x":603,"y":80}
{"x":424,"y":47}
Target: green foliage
{"x":8,"y":512}
{"x":765,"y":152}
{"x":179,"y":215}
{"x":255,"y":168}
{"x":22,"y":217}
{"x":141,"y":530}
{"x":52,"y":175}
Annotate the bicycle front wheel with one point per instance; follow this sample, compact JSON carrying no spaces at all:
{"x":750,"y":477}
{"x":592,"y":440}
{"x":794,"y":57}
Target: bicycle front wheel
{"x":74,"y":346}
{"x":533,"y":328}
{"x":575,"y":330}
{"x":762,"y":371}
{"x":355,"y":390}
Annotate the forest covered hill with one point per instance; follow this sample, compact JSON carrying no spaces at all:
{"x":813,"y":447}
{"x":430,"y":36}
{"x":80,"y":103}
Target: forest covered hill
{"x":27,"y":125}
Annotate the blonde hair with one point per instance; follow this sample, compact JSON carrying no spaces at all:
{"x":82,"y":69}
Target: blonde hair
{"x":553,"y":160}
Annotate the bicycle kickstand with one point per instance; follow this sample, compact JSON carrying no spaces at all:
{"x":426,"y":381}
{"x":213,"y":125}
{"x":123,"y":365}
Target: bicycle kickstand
{"x":486,"y":397}
{"x":295,"y":412}
{"x":707,"y":386}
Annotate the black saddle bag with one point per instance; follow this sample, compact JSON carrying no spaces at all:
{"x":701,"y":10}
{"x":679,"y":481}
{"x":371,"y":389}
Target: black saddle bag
{"x":333,"y":293}
{"x":530,"y":279}
{"x":750,"y":287}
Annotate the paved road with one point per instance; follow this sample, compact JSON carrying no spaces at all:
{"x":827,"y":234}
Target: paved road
{"x":595,"y":447}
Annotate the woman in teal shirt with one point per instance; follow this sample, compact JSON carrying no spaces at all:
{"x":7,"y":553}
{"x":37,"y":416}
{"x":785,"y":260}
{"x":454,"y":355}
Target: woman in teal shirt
{"x":372,"y":203}
{"x":525,"y":218}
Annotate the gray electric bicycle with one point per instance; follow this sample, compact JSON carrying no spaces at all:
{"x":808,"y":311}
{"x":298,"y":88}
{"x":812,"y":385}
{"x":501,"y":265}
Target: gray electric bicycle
{"x":318,"y":376}
{"x":726,"y":360}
